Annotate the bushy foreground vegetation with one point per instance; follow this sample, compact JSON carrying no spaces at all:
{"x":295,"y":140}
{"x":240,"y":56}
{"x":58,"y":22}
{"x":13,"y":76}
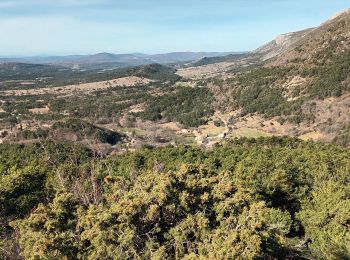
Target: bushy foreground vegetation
{"x":246,"y":199}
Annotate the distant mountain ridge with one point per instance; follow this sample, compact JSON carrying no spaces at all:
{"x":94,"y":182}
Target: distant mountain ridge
{"x":109,"y":60}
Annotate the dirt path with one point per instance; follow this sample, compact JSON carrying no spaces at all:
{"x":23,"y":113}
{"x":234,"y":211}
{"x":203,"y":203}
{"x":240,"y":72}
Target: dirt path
{"x":225,"y":122}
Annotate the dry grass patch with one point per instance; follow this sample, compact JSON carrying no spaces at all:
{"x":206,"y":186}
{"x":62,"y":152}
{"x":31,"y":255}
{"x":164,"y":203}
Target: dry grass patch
{"x":249,"y":132}
{"x":314,"y":136}
{"x":42,"y":110}
{"x":86,"y":87}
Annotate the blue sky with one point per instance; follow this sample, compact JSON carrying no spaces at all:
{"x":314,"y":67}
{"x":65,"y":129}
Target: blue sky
{"x":60,"y":27}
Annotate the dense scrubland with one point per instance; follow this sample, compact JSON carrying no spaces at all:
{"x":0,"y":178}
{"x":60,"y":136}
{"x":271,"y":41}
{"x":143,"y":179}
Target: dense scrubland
{"x":245,"y":199}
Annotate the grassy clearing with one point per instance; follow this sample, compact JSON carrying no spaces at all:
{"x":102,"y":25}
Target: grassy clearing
{"x":248,"y":132}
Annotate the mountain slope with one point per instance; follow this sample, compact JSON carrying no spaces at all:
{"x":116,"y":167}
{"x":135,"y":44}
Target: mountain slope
{"x":320,"y":45}
{"x":281,"y":44}
{"x":304,"y":80}
{"x":276,"y":47}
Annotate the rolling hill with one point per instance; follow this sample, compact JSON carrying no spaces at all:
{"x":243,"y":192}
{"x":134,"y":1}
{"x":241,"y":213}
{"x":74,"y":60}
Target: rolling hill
{"x":109,"y":60}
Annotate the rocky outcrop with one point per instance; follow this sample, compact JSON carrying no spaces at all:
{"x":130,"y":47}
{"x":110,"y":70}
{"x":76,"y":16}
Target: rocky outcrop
{"x":281,"y":44}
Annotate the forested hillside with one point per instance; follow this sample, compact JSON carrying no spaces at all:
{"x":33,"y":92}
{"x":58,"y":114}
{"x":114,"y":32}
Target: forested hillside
{"x":261,"y":198}
{"x":306,"y":74}
{"x":319,"y":62}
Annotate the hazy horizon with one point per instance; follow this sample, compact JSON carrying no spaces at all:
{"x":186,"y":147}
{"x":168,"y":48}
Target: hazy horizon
{"x":129,"y":53}
{"x":76,"y":27}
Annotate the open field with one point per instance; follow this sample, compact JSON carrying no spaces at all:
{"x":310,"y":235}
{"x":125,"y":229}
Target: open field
{"x":86,"y":87}
{"x":207,"y":71}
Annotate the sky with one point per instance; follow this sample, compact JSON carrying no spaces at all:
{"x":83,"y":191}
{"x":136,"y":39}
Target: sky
{"x":63,"y":27}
